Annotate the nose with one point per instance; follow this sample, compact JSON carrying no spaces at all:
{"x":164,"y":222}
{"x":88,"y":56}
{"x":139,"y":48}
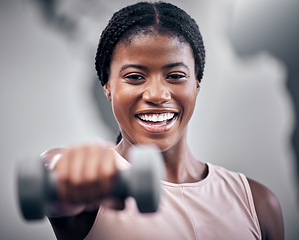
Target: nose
{"x":156,"y":93}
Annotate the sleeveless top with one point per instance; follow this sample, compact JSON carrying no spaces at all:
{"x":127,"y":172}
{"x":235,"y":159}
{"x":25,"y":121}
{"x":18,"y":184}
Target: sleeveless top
{"x":217,"y":207}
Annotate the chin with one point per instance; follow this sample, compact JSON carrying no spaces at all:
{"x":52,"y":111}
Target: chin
{"x":163,"y":144}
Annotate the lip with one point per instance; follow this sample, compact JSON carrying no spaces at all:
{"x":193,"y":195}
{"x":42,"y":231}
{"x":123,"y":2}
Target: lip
{"x":156,"y":111}
{"x":156,"y":127}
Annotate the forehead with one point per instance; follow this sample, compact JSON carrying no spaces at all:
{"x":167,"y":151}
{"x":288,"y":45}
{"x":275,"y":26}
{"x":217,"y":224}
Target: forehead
{"x":153,"y":47}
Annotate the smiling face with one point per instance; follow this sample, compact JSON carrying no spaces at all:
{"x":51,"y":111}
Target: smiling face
{"x":153,"y":88}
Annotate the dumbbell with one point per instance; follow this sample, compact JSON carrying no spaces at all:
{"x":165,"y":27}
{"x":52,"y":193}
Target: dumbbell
{"x":37,"y":187}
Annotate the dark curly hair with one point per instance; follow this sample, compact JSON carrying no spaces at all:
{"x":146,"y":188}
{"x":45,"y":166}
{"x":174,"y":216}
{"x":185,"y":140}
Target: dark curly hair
{"x":146,"y":17}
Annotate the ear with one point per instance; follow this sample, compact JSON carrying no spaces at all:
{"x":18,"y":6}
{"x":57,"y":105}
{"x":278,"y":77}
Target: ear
{"x":197,"y":86}
{"x":107,"y":90}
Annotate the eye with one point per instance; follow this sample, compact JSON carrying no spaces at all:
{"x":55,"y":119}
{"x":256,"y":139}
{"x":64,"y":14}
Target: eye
{"x":134,"y":78}
{"x":176,"y":77}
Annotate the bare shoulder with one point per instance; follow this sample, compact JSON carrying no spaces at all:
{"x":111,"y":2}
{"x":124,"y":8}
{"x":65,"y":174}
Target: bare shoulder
{"x":268,"y":211}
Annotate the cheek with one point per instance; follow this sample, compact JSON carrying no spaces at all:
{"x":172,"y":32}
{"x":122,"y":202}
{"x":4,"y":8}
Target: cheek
{"x":121,"y":102}
{"x":187,"y":96}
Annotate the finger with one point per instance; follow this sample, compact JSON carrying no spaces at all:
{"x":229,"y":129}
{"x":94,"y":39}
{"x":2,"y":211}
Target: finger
{"x":91,"y":173}
{"x":62,"y":171}
{"x":107,"y":172}
{"x":75,"y":185}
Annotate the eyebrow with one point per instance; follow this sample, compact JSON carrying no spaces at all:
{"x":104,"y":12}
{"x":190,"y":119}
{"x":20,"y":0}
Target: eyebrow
{"x":177,"y":64}
{"x":142,"y":67}
{"x":133,"y":66}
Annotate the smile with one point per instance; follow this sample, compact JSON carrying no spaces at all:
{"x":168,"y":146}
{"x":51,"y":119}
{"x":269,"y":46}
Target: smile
{"x":156,"y":117}
{"x":156,"y":122}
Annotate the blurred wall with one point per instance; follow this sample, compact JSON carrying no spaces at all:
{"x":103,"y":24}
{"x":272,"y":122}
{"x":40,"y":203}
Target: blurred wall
{"x":50,"y":98}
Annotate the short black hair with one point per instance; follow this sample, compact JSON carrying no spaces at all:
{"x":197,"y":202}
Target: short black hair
{"x":164,"y":18}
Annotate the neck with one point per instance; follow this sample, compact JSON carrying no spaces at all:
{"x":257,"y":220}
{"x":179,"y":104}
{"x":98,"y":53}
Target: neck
{"x":181,"y":166}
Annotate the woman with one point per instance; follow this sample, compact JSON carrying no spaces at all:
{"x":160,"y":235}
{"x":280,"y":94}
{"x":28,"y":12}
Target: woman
{"x":150,"y":61}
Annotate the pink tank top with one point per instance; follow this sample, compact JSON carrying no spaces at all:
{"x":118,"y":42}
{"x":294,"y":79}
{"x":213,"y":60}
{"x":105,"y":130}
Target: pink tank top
{"x":218,"y":207}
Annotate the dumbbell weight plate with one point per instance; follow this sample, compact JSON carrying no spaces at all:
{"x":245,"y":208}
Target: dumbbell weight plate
{"x":36,"y":187}
{"x":31,"y":183}
{"x":145,"y":179}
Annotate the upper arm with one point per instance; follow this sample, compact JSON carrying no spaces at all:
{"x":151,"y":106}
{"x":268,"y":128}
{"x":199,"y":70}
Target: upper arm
{"x":268,"y":211}
{"x":76,"y":227}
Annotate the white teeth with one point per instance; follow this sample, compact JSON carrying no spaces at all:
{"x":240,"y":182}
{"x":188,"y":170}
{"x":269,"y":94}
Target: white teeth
{"x":156,"y":117}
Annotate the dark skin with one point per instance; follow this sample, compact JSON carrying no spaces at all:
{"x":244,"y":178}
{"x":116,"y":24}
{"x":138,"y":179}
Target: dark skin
{"x":152,"y":76}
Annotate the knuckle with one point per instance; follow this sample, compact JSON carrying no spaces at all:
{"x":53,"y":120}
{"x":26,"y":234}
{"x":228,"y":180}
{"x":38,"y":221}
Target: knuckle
{"x":91,"y":180}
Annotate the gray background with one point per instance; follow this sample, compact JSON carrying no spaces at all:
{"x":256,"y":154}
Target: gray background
{"x":49,"y":95}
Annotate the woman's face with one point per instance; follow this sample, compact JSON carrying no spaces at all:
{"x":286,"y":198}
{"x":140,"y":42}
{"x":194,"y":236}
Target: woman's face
{"x":153,"y":89}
